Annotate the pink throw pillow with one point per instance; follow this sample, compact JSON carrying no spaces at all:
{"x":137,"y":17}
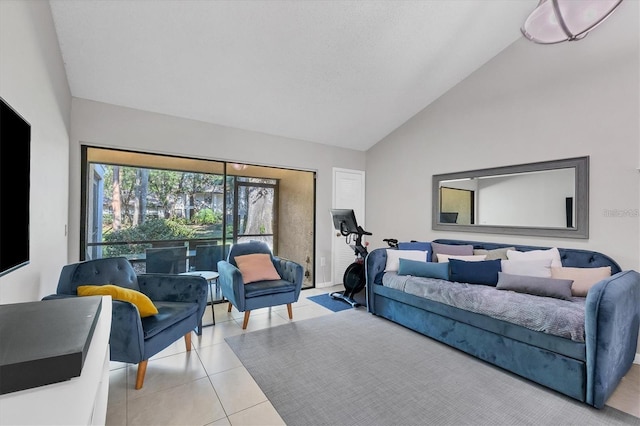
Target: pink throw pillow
{"x":256,"y":267}
{"x":583,"y":278}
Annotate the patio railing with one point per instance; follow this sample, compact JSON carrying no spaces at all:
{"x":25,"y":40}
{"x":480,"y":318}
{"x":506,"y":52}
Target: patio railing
{"x":135,"y":250}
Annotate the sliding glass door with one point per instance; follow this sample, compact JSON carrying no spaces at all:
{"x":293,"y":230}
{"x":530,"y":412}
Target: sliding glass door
{"x":133,"y":202}
{"x":254,"y":212}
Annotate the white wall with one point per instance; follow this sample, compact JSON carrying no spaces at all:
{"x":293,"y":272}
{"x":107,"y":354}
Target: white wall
{"x":530,"y":103}
{"x":528,"y":199}
{"x":33,"y":81}
{"x":105,"y":125}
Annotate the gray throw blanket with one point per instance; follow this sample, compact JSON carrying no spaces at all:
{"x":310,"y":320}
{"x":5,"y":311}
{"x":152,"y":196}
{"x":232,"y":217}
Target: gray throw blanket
{"x":564,"y":318}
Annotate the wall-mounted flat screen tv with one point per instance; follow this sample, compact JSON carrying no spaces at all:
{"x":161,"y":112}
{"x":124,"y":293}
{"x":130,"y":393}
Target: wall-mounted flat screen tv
{"x":15,"y":150}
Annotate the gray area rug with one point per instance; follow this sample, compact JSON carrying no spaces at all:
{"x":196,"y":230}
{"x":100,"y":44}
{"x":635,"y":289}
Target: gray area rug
{"x":353,"y":368}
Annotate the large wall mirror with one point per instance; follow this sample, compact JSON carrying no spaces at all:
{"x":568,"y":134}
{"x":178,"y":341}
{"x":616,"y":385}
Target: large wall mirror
{"x":549,"y":198}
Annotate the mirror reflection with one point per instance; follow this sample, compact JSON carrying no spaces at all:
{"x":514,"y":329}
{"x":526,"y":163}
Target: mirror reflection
{"x":547,"y":198}
{"x":540,"y":199}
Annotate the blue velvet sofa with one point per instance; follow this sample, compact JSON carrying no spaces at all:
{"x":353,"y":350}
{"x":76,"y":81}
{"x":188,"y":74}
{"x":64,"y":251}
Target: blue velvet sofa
{"x":588,"y":371}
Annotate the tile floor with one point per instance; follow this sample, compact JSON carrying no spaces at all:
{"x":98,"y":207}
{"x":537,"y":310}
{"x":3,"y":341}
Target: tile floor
{"x":179,"y":387}
{"x":209,"y":386}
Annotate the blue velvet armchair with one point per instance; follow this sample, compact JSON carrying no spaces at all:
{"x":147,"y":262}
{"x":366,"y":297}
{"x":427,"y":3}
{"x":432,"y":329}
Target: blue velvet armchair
{"x":180,"y":300}
{"x":259,"y":294}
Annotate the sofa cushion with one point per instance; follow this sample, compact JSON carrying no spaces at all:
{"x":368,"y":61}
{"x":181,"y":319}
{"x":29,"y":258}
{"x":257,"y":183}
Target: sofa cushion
{"x":169,"y":313}
{"x":261,"y":288}
{"x":482,"y":272}
{"x":423,"y":269}
{"x":143,"y":303}
{"x":532,"y":268}
{"x":459,"y":250}
{"x":563,"y":318}
{"x":417,"y":245}
{"x":394,"y":256}
{"x":538,"y":286}
{"x":583,"y":278}
{"x":444,"y":258}
{"x":256,"y":267}
{"x":551,"y":253}
{"x":499,"y":253}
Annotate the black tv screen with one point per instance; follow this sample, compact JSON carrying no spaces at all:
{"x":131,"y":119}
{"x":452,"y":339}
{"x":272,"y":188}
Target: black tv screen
{"x":15,"y":150}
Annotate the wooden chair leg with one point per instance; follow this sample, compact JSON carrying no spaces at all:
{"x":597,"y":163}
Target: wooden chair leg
{"x":246,"y":319}
{"x":142,"y":369}
{"x":187,"y":341}
{"x":229,"y":308}
{"x":289,"y":310}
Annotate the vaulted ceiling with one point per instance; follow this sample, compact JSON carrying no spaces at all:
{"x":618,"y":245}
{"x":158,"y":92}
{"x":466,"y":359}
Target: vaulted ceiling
{"x":343,"y":73}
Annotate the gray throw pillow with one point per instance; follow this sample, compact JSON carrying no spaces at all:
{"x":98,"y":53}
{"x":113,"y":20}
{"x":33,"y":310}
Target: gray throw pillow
{"x":538,"y":286}
{"x":499,"y":253}
{"x":452,"y":249}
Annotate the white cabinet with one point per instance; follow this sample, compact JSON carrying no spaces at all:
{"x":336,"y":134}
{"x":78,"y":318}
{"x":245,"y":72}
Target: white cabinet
{"x":79,"y":401}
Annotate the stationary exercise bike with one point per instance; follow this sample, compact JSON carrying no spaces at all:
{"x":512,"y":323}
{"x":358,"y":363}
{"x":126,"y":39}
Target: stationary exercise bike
{"x":344,"y":220}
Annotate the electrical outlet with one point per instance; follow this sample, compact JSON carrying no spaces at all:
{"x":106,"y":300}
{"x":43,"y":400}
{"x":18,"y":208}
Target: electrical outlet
{"x":323,"y":261}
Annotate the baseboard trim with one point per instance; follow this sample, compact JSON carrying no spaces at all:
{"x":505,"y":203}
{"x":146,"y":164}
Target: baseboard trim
{"x":636,"y":360}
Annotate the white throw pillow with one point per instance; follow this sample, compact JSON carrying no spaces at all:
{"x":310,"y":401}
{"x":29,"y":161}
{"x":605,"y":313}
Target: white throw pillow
{"x":394,"y":256}
{"x":443,"y":258}
{"x":531,"y":268}
{"x":551,"y":253}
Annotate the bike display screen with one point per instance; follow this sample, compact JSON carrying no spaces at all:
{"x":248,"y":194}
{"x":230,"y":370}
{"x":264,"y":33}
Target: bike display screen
{"x":344,"y":220}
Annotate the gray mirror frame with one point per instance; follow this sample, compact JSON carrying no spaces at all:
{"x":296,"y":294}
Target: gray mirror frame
{"x":581,"y":230}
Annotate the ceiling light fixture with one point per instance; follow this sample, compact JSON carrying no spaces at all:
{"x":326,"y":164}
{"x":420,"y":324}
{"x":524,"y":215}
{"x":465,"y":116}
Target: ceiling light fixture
{"x":555,"y":21}
{"x":238,"y":166}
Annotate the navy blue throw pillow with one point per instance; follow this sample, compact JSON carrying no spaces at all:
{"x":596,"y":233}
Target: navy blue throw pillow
{"x":483,"y":272}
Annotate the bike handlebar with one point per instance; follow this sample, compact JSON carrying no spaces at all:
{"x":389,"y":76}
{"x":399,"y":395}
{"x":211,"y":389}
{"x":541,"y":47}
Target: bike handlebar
{"x":360,"y":232}
{"x":363,"y":232}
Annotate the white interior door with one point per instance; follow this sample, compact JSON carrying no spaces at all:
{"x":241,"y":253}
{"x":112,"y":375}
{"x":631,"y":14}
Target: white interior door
{"x":348,"y":193}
